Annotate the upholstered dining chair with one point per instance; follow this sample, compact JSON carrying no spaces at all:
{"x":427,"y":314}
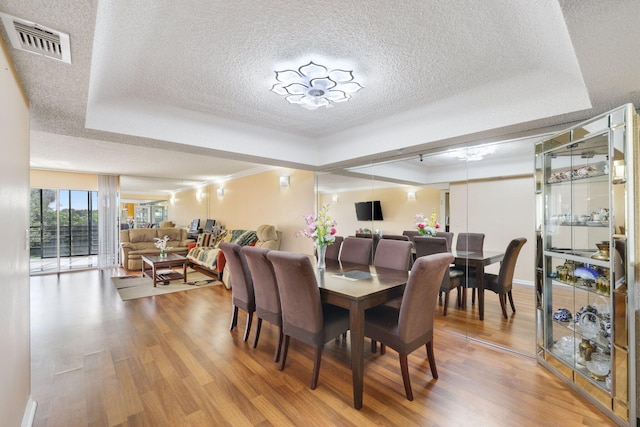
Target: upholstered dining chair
{"x":304,"y":316}
{"x":502,"y":283}
{"x":266,"y":293}
{"x":394,"y":254}
{"x":409,"y":327}
{"x":447,"y":235}
{"x":452,"y":279}
{"x":470,"y":242}
{"x":356,"y":250}
{"x":242,"y":294}
{"x":333,"y":250}
{"x":410,"y":234}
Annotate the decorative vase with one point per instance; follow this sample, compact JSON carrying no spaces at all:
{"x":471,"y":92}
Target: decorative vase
{"x":163,"y":253}
{"x":322,"y":252}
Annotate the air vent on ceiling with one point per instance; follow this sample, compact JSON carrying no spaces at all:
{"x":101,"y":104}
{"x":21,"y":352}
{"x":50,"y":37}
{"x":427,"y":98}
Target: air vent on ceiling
{"x":34,"y":38}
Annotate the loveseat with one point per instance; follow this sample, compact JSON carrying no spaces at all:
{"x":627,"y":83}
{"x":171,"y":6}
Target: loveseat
{"x":136,"y":242}
{"x":207,"y":258}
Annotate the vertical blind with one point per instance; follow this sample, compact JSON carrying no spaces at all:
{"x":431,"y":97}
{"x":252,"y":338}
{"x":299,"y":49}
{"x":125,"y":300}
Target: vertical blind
{"x":109,"y":224}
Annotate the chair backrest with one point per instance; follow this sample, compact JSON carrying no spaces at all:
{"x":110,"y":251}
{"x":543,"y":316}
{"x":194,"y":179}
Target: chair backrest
{"x":264,"y":284}
{"x":429,"y":245}
{"x":508,"y":264}
{"x":299,"y":292}
{"x":394,"y":254}
{"x":333,"y":250}
{"x":357,"y":250}
{"x":447,"y":235}
{"x":411,"y":234}
{"x":241,"y":282}
{"x":471,"y":242}
{"x":418,"y":305}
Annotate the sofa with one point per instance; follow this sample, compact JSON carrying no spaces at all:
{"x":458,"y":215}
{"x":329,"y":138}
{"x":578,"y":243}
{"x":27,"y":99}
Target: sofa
{"x":207,"y":258}
{"x":136,"y":242}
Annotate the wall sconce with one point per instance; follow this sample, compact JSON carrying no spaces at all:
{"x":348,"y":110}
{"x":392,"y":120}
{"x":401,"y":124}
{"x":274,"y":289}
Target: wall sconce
{"x":335,"y":198}
{"x":173,"y":199}
{"x":284,"y":181}
{"x":411,"y":195}
{"x":619,"y":172}
{"x":199,"y":195}
{"x":220,"y":191}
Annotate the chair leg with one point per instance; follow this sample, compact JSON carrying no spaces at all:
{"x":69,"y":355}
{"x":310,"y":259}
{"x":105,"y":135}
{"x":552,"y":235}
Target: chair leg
{"x":283,"y":356}
{"x":510,"y":295}
{"x":258,"y":327}
{"x":316,"y":367}
{"x":383,"y":348}
{"x":446,"y":303}
{"x":374,"y":346}
{"x":248,"y":327}
{"x":440,"y":298}
{"x":276,"y":357}
{"x":234,"y":318}
{"x":473,"y":296}
{"x":404,"y":368}
{"x":503,"y":304}
{"x":432,"y":360}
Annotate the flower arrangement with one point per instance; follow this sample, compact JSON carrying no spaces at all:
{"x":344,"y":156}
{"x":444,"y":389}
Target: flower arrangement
{"x":320,"y":228}
{"x":427,"y":228}
{"x":162,"y":244}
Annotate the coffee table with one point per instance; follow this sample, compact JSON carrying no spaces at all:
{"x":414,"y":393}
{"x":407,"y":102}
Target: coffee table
{"x":157,"y":262}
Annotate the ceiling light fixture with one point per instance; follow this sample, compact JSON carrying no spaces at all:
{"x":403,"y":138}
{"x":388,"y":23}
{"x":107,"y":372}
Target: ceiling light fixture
{"x":472,"y":154}
{"x":313,"y":86}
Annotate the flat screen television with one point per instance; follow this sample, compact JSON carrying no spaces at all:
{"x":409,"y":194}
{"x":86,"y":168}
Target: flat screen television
{"x":369,"y":211}
{"x":208,"y":226}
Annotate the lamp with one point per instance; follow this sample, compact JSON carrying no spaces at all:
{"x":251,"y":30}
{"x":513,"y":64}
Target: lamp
{"x":220,"y":191}
{"x":313,"y":86}
{"x":618,"y":172}
{"x":472,"y":154}
{"x":411,"y":195}
{"x":284,"y":181}
{"x":335,"y":198}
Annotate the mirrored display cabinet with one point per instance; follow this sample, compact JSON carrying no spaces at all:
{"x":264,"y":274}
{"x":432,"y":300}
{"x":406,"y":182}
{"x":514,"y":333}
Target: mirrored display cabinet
{"x":586,"y":288}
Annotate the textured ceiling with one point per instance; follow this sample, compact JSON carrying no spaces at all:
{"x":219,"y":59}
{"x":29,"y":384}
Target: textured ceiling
{"x":187,"y":84}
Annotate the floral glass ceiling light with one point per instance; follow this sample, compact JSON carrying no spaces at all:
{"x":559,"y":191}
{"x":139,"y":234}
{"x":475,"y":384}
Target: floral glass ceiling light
{"x":313,"y":86}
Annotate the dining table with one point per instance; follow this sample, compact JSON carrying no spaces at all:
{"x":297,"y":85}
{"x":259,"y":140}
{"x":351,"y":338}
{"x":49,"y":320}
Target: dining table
{"x":357,"y":287}
{"x":477,"y":260}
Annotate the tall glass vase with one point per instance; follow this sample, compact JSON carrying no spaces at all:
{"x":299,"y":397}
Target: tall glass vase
{"x":321,"y":252}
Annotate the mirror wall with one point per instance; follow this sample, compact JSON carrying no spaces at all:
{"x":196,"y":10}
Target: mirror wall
{"x":481,"y":189}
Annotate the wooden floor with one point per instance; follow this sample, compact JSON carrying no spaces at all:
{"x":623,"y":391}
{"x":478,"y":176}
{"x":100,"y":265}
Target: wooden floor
{"x":170,"y":360}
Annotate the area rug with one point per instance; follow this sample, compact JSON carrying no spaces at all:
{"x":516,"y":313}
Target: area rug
{"x":134,"y":286}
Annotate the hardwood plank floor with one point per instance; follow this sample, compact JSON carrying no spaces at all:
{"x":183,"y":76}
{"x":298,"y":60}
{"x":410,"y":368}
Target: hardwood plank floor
{"x":170,"y":360}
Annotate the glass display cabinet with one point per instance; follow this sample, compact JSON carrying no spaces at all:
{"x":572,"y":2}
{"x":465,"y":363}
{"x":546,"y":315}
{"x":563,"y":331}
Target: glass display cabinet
{"x":585,"y":278}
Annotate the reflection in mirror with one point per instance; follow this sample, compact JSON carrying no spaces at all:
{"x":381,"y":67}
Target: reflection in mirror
{"x":468,"y":190}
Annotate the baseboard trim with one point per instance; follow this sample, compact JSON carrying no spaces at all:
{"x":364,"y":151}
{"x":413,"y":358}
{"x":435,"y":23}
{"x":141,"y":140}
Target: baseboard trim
{"x":29,"y":412}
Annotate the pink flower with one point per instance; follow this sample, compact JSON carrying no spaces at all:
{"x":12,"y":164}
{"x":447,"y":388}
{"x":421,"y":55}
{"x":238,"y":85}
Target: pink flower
{"x":420,"y":225}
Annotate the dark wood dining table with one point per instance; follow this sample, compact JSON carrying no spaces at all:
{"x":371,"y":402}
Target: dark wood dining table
{"x":357,"y":287}
{"x":478,"y":261}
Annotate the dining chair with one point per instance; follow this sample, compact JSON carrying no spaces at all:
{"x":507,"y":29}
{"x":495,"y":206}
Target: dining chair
{"x":304,"y":316}
{"x":470,"y":242}
{"x":451,"y":279}
{"x":356,"y":250}
{"x":266,"y":293}
{"x":502,"y":282}
{"x":395,"y":254}
{"x":407,"y":328}
{"x":447,"y":235}
{"x":333,"y":250}
{"x":411,"y":234}
{"x":242,"y":294}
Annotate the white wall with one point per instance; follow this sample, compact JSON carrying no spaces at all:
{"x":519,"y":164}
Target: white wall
{"x":503,"y":209}
{"x":14,"y":256}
